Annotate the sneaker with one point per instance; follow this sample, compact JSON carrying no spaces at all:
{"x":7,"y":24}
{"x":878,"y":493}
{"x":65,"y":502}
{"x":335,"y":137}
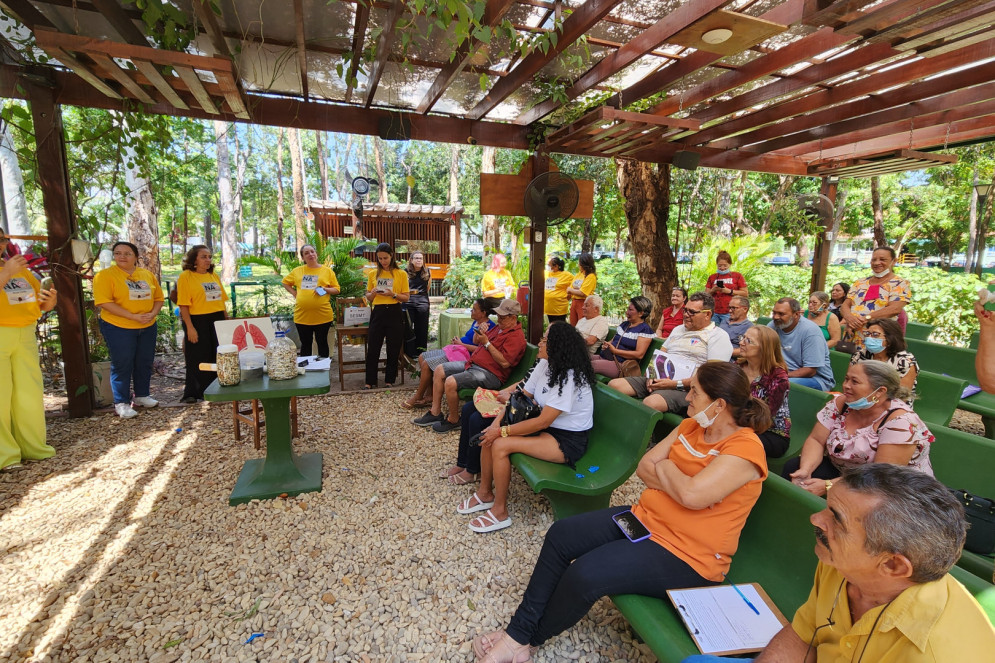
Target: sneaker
{"x":124,"y":411}
{"x":189,"y":400}
{"x":145,"y":401}
{"x":444,"y":426}
{"x":428,"y":419}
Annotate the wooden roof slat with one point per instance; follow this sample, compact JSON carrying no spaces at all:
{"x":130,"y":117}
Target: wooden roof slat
{"x":578,"y":23}
{"x":230,"y":90}
{"x":611,"y":64}
{"x":980,"y":17}
{"x":196,"y":87}
{"x":969,"y":129}
{"x":384,"y":42}
{"x":590,"y":117}
{"x":27,"y":14}
{"x":119,"y":20}
{"x":922,"y":20}
{"x":888,"y":15}
{"x":663,"y":77}
{"x":124,"y":78}
{"x":82,"y":71}
{"x":758,"y":125}
{"x":160,"y":83}
{"x":301,"y":46}
{"x":211,"y":27}
{"x":493,"y":14}
{"x":132,"y":52}
{"x":358,"y":39}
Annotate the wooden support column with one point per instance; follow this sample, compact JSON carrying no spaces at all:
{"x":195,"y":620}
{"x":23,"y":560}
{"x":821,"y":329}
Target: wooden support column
{"x":537,"y":257}
{"x":820,"y":259}
{"x":53,"y":174}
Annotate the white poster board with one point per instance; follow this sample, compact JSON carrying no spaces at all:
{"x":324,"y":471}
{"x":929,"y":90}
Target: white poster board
{"x":246,"y":333}
{"x":670,"y":366}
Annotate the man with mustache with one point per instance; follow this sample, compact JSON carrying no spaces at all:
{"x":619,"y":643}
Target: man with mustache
{"x":885,"y":542}
{"x":803,"y":345}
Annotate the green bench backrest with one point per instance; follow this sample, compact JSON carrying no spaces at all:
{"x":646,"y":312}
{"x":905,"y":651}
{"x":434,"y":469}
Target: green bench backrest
{"x":937,"y":396}
{"x":527,"y":362}
{"x":944,"y":359}
{"x":763,"y":320}
{"x":840,"y":362}
{"x":962,"y":460}
{"x":918,"y":330}
{"x":611,"y":333}
{"x":804,"y":403}
{"x":975,"y":339}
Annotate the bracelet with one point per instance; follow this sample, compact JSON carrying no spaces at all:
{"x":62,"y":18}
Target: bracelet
{"x":829,"y":484}
{"x":504,"y":431}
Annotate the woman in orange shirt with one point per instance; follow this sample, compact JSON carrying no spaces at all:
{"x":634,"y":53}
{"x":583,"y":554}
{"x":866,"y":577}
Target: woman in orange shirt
{"x":701,"y":482}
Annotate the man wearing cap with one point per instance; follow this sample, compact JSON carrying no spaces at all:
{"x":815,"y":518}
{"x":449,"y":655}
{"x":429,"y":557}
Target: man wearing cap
{"x":498,"y":351}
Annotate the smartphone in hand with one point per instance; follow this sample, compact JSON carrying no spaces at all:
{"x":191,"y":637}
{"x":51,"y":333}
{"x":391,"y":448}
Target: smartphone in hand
{"x":321,"y":292}
{"x":631,"y":526}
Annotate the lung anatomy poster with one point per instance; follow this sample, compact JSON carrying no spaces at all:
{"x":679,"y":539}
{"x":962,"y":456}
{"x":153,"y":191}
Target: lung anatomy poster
{"x":246,"y":333}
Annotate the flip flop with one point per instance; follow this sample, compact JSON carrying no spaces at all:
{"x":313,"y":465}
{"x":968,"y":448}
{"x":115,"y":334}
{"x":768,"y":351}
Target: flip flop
{"x":459,"y":480}
{"x":416,"y":404}
{"x":484,"y":643}
{"x":490,"y":523}
{"x":445,"y":474}
{"x":465,"y":507}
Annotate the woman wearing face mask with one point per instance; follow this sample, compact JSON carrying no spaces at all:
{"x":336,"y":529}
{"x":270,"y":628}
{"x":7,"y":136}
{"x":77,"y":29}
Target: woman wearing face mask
{"x":883,"y":341}
{"x":313,"y":285}
{"x":701,"y":481}
{"x":818,"y":312}
{"x":870,"y":423}
{"x":387,"y":289}
{"x":881,"y":295}
{"x":723,"y":285}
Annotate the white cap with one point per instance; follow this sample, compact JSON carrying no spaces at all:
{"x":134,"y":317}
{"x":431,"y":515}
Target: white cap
{"x":225,"y":349}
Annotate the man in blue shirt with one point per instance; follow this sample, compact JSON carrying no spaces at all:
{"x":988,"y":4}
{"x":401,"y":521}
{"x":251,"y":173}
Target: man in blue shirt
{"x":803,"y":346}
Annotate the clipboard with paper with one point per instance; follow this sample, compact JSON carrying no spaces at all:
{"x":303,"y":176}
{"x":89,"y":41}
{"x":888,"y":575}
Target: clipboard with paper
{"x":723,"y":621}
{"x":670,"y":366}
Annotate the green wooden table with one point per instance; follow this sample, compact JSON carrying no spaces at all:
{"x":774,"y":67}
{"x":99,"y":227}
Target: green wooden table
{"x":281,"y":471}
{"x":453,"y":322}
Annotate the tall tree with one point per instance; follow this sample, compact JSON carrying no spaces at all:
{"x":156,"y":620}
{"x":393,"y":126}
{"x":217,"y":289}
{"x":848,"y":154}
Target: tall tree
{"x":229,"y":248}
{"x":646,"y":189}
{"x":143,"y":219}
{"x":454,"y":193}
{"x":492,"y":227}
{"x":972,"y":232}
{"x":322,"y":164}
{"x":279,"y":190}
{"x":381,"y":171}
{"x":879,"y":238}
{"x":297,"y":180}
{"x":15,"y":213}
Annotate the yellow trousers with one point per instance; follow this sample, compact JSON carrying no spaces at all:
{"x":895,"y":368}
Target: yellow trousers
{"x":22,"y":410}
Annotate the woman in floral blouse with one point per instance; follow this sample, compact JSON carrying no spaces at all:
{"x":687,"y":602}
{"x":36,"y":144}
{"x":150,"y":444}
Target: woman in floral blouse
{"x":882,"y":295}
{"x":760,"y":348}
{"x":870,"y":423}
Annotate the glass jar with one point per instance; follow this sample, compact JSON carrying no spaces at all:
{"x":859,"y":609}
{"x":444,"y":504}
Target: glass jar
{"x":229,"y":373}
{"x":281,"y":358}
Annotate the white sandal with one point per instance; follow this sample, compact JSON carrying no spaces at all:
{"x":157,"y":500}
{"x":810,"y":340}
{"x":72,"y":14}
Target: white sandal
{"x":466,"y":507}
{"x":491,"y":523}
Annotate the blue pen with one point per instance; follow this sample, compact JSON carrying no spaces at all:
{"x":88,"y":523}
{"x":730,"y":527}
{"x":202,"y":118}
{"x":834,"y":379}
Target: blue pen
{"x":752,"y":607}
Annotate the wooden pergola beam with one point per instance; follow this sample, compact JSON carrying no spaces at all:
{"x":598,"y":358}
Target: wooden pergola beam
{"x":27,"y":14}
{"x":969,"y":129}
{"x":611,"y":64}
{"x":112,"y":69}
{"x":196,"y":87}
{"x":384,"y":42}
{"x":119,"y":20}
{"x":358,"y":38}
{"x":301,"y":45}
{"x":493,"y":13}
{"x":207,"y":19}
{"x":577,"y":24}
{"x":83,"y":71}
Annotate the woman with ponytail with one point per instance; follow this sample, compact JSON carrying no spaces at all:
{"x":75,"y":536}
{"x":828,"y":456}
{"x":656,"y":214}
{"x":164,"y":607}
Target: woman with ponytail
{"x":702,"y":480}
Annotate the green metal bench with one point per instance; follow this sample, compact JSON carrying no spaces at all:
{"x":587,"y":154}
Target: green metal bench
{"x":957,"y":363}
{"x":840,"y":363}
{"x":975,"y":340}
{"x":621,"y":433}
{"x":918,"y":330}
{"x":775,"y":550}
{"x":763,"y":320}
{"x":517,"y":373}
{"x":804,"y":403}
{"x":965,"y":461}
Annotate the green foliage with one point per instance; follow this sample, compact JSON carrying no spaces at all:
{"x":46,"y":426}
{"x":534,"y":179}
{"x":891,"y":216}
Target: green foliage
{"x":462,"y":283}
{"x":749,"y":256}
{"x":618,"y":282}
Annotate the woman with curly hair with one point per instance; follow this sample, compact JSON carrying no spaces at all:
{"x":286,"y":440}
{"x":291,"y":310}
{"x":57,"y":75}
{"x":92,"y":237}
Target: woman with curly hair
{"x":562,"y":384}
{"x":201,"y":298}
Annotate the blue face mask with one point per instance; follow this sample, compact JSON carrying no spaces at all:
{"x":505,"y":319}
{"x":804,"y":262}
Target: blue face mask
{"x":861,"y":404}
{"x":721,"y":271}
{"x":874,"y":345}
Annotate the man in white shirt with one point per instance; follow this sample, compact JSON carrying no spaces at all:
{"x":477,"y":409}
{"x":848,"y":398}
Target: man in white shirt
{"x":593,"y":326}
{"x":698,"y":340}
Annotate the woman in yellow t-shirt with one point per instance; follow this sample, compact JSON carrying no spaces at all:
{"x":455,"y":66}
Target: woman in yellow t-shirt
{"x":557,"y":282}
{"x":201,"y":299}
{"x":387,"y":289}
{"x":582,"y":286}
{"x":22,"y":408}
{"x":497,"y":282}
{"x":129,"y":299}
{"x":313,"y":286}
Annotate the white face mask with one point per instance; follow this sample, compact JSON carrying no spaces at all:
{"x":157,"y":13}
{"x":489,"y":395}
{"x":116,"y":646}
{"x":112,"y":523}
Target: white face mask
{"x":878,"y":275}
{"x":703,"y":419}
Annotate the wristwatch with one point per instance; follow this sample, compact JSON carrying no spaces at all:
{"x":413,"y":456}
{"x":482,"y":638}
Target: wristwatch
{"x":680,"y":385}
{"x":487,"y":345}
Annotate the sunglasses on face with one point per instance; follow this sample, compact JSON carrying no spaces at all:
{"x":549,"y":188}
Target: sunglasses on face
{"x":689,"y":312}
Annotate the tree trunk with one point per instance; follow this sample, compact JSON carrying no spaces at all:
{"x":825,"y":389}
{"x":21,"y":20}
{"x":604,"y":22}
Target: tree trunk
{"x":381,"y":173}
{"x":208,"y":231}
{"x":229,"y":247}
{"x":801,"y":247}
{"x":784,"y":183}
{"x":879,"y":238}
{"x":143,"y":220}
{"x":279,"y":190}
{"x":587,"y":241}
{"x":297,"y":180}
{"x":13,"y":187}
{"x":741,"y":226}
{"x":242,"y":161}
{"x":454,"y":195}
{"x":841,"y":194}
{"x":723,"y":203}
{"x":646,"y":188}
{"x":972,"y":229}
{"x":322,"y":164}
{"x":492,"y":228}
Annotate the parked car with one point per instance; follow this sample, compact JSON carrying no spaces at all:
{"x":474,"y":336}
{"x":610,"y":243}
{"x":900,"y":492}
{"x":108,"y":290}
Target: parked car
{"x":779,"y":261}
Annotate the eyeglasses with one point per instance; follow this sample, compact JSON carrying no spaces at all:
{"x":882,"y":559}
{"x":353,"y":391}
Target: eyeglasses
{"x":735,"y":308}
{"x":689,"y":312}
{"x":829,"y":622}
{"x":745,"y":340}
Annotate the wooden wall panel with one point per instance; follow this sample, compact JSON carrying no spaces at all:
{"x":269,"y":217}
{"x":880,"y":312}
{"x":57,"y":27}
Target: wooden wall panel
{"x":391,"y":230}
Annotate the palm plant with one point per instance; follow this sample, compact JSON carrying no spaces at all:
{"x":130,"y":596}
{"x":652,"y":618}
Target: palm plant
{"x":332,"y":252}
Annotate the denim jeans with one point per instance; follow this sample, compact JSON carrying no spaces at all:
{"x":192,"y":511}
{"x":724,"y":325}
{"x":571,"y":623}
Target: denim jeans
{"x":719,"y":318}
{"x":807,"y":382}
{"x":132,"y":353}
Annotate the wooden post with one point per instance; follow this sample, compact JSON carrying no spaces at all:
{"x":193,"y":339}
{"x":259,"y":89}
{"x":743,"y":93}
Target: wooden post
{"x":820,"y":261}
{"x":537,"y":257}
{"x":53,"y":174}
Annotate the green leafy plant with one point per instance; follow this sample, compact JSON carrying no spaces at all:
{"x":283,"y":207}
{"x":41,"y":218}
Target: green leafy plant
{"x":461,"y":286}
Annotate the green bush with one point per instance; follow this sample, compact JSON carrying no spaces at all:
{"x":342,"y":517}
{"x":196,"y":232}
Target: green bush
{"x":618,"y":282}
{"x":462,"y":283}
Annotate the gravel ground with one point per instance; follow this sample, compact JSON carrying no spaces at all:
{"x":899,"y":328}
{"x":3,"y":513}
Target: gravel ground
{"x":123,"y":547}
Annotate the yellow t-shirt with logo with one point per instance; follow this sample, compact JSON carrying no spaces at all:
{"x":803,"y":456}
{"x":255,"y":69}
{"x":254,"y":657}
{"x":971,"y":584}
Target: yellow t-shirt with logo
{"x":556,"y":292}
{"x":19,"y":302}
{"x":396,"y":280}
{"x":585,"y":284}
{"x":135,"y":293}
{"x":311,"y":308}
{"x":496,"y":280}
{"x":203,"y":293}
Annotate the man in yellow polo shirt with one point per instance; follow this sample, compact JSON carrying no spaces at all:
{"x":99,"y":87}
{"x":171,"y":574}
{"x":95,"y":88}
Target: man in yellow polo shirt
{"x":882,"y":591}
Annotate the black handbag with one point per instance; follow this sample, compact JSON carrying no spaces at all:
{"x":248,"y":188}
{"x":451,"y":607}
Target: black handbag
{"x":980,"y":514}
{"x":520,"y":407}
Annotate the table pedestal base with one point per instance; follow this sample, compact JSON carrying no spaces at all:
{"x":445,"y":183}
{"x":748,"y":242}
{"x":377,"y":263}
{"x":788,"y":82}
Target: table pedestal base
{"x":256,"y":482}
